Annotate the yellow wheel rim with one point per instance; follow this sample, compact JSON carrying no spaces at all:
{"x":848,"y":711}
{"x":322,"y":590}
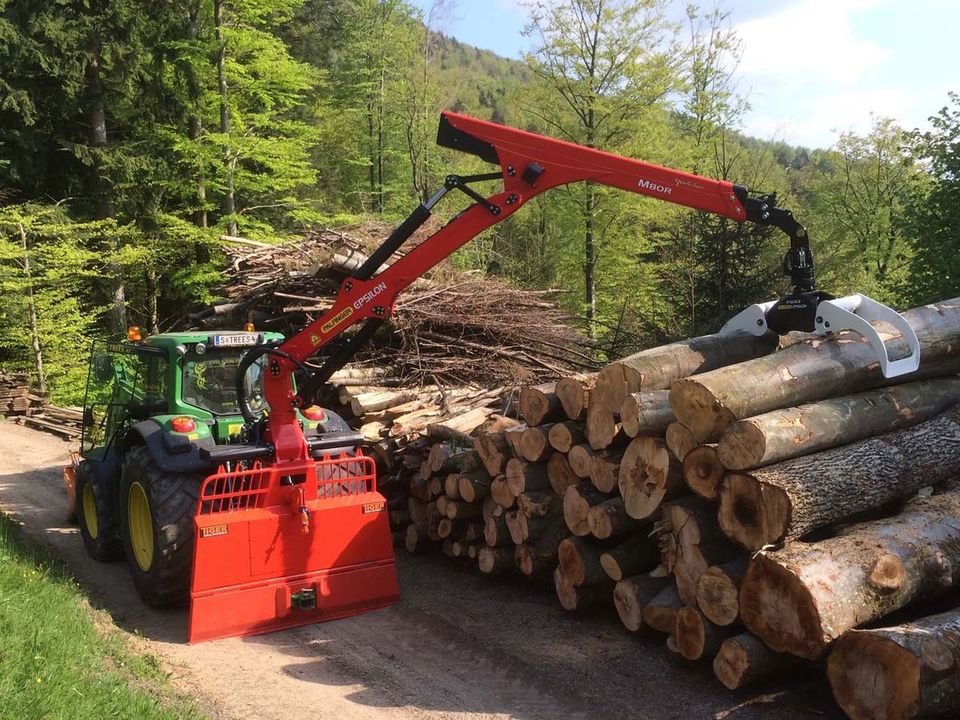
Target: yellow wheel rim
{"x":90,"y":512}
{"x":140,"y":526}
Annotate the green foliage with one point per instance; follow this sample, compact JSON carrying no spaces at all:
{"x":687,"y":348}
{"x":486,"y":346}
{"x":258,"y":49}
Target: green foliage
{"x":133,"y":136}
{"x":54,"y":661}
{"x":933,"y":216}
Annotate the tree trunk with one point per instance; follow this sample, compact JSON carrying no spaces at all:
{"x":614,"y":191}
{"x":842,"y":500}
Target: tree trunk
{"x":494,"y":452}
{"x":539,"y":404}
{"x":801,"y":598}
{"x":631,"y":595}
{"x":602,"y":428}
{"x":573,"y":597}
{"x":534,"y":443}
{"x":32,"y":312}
{"x":646,"y":413}
{"x":574,"y":394}
{"x":493,"y":560}
{"x":590,"y":258}
{"x":811,"y":370}
{"x":744,"y":659}
{"x":703,"y":471}
{"x":559,"y":473}
{"x":697,"y":637}
{"x":195,"y":131}
{"x":649,"y":474}
{"x":895,"y":673}
{"x":524,"y":477}
{"x":790,"y":499}
{"x":564,"y":435}
{"x":680,"y":440}
{"x":610,"y":518}
{"x":718,"y":591}
{"x":473,"y":486}
{"x":604,"y":468}
{"x":229,"y":209}
{"x":496,"y":533}
{"x":657,"y":368}
{"x":541,"y":556}
{"x":580,"y":562}
{"x":637,"y":555}
{"x":783,"y":434}
{"x":580,"y":458}
{"x":661,"y":612}
{"x":577,"y":501}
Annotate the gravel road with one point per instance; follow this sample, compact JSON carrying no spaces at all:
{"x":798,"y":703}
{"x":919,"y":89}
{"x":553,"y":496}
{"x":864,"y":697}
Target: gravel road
{"x":459,"y":644}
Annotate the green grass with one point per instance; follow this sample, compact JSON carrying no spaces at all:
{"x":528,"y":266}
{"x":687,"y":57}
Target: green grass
{"x":60,"y":658}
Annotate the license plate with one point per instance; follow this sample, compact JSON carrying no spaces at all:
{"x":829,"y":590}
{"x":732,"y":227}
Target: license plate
{"x":235,"y":340}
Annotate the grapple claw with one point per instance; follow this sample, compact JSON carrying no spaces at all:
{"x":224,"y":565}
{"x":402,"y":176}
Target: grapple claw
{"x":856,"y":312}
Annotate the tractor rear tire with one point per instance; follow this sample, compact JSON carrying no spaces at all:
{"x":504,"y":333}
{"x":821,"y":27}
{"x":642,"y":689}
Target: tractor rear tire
{"x":95,"y":515}
{"x":156,"y":511}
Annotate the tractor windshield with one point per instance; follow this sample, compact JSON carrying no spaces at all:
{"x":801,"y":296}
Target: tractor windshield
{"x":210,"y":382}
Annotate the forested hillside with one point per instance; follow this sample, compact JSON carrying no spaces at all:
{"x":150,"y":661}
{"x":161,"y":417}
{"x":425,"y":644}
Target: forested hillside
{"x":133,"y":136}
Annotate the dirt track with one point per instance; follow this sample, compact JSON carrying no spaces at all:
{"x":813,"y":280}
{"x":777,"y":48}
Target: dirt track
{"x":459,"y":645}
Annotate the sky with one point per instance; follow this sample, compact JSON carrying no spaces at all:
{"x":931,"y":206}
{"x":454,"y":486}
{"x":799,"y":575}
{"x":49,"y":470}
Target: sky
{"x":810,"y":69}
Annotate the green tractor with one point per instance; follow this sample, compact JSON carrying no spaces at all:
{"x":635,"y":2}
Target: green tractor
{"x":157,"y":415}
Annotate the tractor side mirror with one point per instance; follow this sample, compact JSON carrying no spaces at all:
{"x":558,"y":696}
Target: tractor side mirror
{"x":88,"y":417}
{"x":103,"y":368}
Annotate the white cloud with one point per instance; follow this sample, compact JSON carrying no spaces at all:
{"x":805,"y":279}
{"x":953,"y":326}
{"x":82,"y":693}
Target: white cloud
{"x":811,"y":40}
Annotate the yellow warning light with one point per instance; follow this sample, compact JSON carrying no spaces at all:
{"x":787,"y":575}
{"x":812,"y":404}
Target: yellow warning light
{"x":248,"y":327}
{"x":133,"y":334}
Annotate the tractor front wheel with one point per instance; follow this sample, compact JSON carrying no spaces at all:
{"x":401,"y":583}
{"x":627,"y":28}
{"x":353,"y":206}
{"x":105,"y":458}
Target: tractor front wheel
{"x":157,"y":509}
{"x":95,"y":515}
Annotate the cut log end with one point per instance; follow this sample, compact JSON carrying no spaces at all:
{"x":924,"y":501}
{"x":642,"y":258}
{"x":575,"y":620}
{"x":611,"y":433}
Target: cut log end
{"x":697,"y":408}
{"x":703,"y":471}
{"x":742,"y":446}
{"x":777,"y":607}
{"x":752,"y":513}
{"x":874,"y":677}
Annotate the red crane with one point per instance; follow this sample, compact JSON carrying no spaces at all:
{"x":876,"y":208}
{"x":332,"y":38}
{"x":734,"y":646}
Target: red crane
{"x":299,"y":536}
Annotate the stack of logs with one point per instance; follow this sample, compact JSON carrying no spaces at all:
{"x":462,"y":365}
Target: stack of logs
{"x":30,"y":408}
{"x":753,"y":498}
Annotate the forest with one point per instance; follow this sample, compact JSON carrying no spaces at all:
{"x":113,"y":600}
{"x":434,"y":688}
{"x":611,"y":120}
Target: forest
{"x":134,"y":136}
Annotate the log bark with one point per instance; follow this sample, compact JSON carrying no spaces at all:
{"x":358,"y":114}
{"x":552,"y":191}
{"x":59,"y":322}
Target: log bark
{"x":535,"y":444}
{"x":540,"y":404}
{"x":649,"y":474}
{"x":783,"y":434}
{"x":602,"y":428}
{"x":801,"y":598}
{"x":744,"y":659}
{"x":610,"y":518}
{"x":537,"y":503}
{"x":540,"y":556}
{"x":695,"y":543}
{"x":560,"y":474}
{"x":812,"y":370}
{"x":697,"y":637}
{"x":906,"y":671}
{"x":565,"y":435}
{"x":680,"y":440}
{"x":703,"y":471}
{"x":526,"y":476}
{"x":789,"y":499}
{"x":460,"y":510}
{"x":646,"y":413}
{"x":631,"y":595}
{"x":580,"y":562}
{"x":637,"y":555}
{"x":718,"y":592}
{"x":577,"y":501}
{"x":605,"y":469}
{"x":493,"y":560}
{"x":657,"y":368}
{"x":459,"y":427}
{"x":661,"y":612}
{"x":574,"y":394}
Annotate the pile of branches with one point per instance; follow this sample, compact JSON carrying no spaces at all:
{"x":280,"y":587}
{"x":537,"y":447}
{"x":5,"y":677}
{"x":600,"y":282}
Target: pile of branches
{"x":451,"y":326}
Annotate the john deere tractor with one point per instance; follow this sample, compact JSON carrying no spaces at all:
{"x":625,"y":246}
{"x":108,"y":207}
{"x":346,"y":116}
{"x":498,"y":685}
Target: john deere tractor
{"x":161,"y":414}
